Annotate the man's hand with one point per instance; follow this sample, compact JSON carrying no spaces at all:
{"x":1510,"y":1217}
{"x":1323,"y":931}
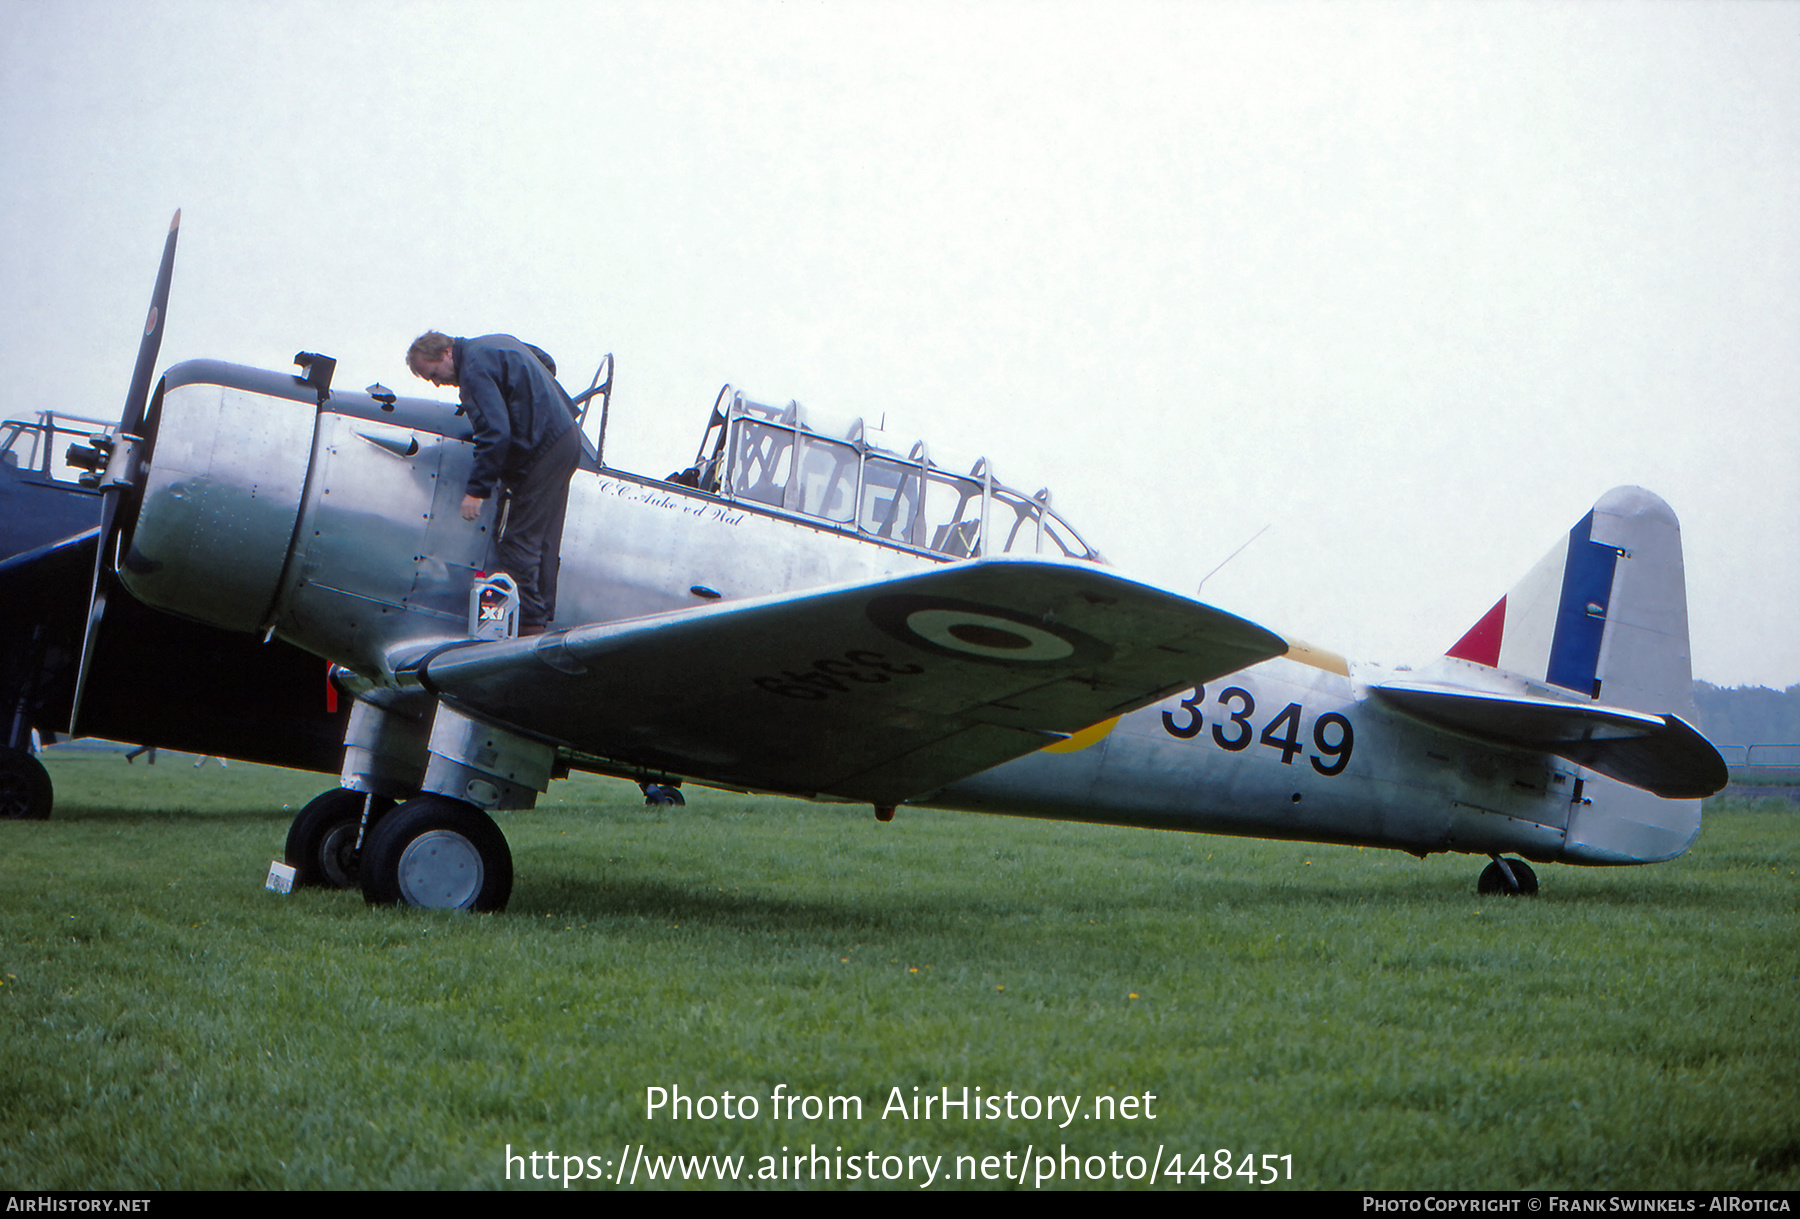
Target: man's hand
{"x":471,"y":507}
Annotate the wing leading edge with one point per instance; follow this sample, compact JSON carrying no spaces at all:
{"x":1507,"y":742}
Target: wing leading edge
{"x":877,"y":692}
{"x":1660,"y":753}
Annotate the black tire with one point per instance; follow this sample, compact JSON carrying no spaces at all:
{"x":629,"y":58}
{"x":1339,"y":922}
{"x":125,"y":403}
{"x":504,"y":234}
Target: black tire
{"x":663,"y":793}
{"x":26,"y":792}
{"x":439,"y":853}
{"x":1494,"y":881}
{"x":321,"y":843}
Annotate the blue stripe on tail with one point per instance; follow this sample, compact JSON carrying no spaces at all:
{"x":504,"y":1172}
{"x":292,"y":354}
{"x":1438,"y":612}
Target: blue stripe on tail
{"x":1581,"y":612}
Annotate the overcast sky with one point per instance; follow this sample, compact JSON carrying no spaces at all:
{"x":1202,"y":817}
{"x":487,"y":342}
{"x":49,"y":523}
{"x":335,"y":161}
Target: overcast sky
{"x":1412,"y":285}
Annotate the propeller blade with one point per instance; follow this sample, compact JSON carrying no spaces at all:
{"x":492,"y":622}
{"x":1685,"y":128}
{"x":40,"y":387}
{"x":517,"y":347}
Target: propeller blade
{"x":109,"y":507}
{"x":132,"y":417}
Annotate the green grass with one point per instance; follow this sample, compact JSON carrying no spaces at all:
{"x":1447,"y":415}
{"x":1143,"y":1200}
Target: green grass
{"x":168,"y":1023}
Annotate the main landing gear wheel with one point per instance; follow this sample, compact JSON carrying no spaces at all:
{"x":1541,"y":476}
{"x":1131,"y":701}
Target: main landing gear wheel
{"x":1523,"y":883}
{"x":321,"y":844}
{"x":439,"y":853}
{"x":25,"y":790}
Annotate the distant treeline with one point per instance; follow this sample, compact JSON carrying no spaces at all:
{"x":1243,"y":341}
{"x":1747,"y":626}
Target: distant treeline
{"x":1748,"y":715}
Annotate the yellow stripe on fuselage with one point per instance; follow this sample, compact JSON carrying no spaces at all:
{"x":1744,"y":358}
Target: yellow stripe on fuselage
{"x":1081,"y":740}
{"x":1318,"y":658}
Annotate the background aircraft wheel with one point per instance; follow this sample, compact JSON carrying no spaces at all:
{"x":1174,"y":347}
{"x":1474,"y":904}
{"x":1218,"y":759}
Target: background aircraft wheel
{"x":439,"y":853}
{"x":663,"y":793}
{"x":1493,"y":880}
{"x":321,"y":844}
{"x":25,"y":790}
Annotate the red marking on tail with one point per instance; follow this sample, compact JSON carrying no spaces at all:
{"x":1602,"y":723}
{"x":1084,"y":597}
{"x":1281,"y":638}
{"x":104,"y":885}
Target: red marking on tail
{"x":1482,"y":643}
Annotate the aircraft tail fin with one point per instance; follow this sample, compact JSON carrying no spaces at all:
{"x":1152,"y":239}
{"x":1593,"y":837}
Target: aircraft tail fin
{"x":1603,"y":615}
{"x":1594,"y":638}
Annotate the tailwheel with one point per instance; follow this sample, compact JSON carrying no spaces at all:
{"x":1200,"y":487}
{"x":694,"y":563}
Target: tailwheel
{"x":662,"y":793}
{"x":439,"y":853}
{"x":321,"y":843}
{"x":25,"y":790}
{"x":1513,"y":877}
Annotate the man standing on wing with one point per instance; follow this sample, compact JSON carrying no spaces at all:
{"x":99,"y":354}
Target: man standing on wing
{"x":525,"y":440}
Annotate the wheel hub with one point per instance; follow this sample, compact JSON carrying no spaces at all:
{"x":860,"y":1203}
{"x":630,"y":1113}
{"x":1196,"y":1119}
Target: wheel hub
{"x":15,"y":798}
{"x":338,"y":856}
{"x":440,"y":870}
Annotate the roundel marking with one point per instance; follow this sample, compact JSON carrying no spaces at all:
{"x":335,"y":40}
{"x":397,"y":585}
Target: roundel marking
{"x":989,"y":634}
{"x":979,"y":634}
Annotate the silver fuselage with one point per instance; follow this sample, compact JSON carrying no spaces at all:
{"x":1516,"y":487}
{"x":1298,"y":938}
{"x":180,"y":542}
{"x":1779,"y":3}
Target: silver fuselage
{"x":335,"y":526}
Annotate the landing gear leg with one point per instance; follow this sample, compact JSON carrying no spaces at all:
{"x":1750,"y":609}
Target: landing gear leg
{"x":25,"y":790}
{"x":1512,"y":877}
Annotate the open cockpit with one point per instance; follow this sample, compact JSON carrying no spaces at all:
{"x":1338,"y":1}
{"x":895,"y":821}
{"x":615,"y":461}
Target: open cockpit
{"x":798,"y":461}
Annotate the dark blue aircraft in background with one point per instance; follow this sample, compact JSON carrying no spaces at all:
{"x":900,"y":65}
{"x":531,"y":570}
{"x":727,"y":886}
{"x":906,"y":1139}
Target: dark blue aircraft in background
{"x":152,"y":678}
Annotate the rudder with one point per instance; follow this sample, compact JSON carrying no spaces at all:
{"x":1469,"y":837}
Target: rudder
{"x":1603,"y":614}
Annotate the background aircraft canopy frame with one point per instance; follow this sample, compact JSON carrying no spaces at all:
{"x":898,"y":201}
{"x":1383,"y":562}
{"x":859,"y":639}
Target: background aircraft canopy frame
{"x":41,"y":446}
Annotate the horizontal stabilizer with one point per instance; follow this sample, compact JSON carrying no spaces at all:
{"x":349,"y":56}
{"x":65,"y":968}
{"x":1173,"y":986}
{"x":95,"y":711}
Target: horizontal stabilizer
{"x":880,"y":691}
{"x":1660,"y":753}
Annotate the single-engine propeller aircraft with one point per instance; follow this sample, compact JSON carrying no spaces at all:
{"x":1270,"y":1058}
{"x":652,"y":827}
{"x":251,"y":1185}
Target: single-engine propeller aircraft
{"x":807,"y":613}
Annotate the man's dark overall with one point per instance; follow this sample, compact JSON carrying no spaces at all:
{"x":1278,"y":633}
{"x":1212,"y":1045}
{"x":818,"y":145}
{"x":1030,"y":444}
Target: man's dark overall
{"x":525,"y":440}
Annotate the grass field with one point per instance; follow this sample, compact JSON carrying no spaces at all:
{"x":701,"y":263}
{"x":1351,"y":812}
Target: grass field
{"x":168,"y":1023}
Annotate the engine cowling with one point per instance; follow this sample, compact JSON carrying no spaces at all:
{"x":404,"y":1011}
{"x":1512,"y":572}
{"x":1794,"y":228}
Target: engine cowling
{"x":221,"y":495}
{"x":331,"y":519}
